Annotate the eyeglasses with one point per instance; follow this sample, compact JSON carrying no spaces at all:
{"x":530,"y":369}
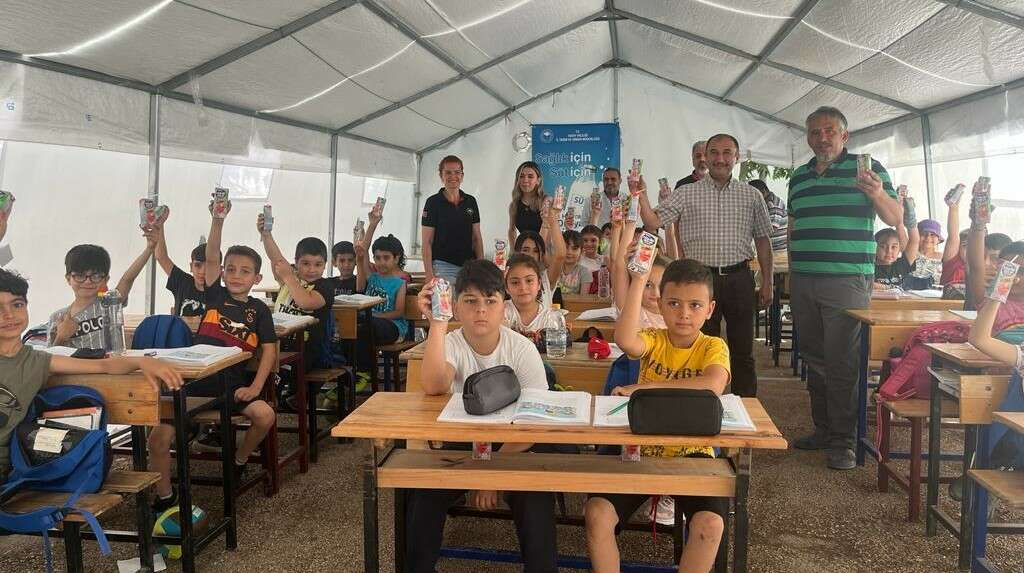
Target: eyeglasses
{"x":447,"y":172}
{"x":92,"y":278}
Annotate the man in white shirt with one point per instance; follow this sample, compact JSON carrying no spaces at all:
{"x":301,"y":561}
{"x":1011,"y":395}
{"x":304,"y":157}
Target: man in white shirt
{"x":450,"y":358}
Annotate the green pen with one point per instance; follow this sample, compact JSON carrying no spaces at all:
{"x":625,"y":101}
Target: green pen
{"x":616,"y":409}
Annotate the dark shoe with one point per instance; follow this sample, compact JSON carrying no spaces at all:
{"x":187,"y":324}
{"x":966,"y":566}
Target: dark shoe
{"x":956,"y":489}
{"x":209,"y":440}
{"x":815,"y":441}
{"x":239,"y":476}
{"x":841,"y":459}
{"x":161,"y":505}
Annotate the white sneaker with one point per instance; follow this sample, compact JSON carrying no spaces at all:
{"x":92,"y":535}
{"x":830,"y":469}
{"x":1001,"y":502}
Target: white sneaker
{"x":666,"y":510}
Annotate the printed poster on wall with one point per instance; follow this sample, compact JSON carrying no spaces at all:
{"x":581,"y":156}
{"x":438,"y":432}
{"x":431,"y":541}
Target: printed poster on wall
{"x":575,"y":155}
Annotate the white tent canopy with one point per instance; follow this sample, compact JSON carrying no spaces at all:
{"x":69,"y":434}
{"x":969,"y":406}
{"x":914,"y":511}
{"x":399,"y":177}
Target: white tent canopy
{"x":383,"y":88}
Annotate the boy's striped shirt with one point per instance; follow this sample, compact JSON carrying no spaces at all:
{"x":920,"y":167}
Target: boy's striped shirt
{"x":834,"y":221}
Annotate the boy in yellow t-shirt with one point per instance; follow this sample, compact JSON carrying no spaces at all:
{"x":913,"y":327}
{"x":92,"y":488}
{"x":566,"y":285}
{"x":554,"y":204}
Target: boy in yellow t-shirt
{"x":679,"y":356}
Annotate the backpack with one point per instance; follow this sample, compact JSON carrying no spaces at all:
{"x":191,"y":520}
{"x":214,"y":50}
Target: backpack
{"x":623,"y":372}
{"x":909,"y":373}
{"x":82,"y":469}
{"x":162,"y":331}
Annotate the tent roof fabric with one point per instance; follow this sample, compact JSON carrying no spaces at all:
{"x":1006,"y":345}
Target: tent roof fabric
{"x":409,"y":74}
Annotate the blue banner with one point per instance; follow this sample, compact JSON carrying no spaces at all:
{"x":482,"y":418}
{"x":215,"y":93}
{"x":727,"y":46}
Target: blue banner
{"x":575,"y":155}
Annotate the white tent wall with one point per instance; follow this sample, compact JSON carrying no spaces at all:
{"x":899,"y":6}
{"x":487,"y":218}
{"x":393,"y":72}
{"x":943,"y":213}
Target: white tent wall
{"x":659,"y":123}
{"x":68,"y":196}
{"x":398,"y":213}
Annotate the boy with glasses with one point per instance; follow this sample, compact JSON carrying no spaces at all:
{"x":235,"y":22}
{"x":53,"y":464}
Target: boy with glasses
{"x":80,"y":325}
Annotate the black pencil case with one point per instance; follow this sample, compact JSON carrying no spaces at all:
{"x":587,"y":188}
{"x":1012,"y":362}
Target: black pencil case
{"x":675,"y":411}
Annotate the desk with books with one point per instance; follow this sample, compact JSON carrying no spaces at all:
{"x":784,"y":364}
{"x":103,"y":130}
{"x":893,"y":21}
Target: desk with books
{"x":575,"y":369}
{"x":882,"y":330}
{"x":115,"y":388}
{"x":581,"y":302}
{"x":977,"y":384}
{"x":387,"y":417}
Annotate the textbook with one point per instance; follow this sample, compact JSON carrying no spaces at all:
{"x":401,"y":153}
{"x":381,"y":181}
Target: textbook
{"x":285,"y":320}
{"x":355,"y":298}
{"x":966,"y":314}
{"x":85,"y":418}
{"x":195,"y":355}
{"x":607,"y":413}
{"x":599,"y":315}
{"x":533,"y":407}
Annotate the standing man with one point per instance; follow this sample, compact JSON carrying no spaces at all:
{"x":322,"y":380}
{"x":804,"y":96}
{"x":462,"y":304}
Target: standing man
{"x":700,"y":165}
{"x":718,"y":216}
{"x":450,"y":225}
{"x":777,"y":215}
{"x":611,"y":179}
{"x":832,"y":212}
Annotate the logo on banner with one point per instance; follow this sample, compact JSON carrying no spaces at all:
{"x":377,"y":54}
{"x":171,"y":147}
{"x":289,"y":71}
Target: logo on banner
{"x":547,"y":136}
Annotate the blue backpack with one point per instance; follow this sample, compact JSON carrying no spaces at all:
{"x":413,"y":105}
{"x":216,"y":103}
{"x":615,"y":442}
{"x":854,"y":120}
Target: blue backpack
{"x":162,"y":331}
{"x":82,"y":469}
{"x":623,"y":372}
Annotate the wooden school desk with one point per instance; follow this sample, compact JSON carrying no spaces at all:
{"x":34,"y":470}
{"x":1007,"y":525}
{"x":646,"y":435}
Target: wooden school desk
{"x":581,"y":302}
{"x":575,"y":369}
{"x":116,"y":385}
{"x":388,"y":416}
{"x":980,"y":387}
{"x":880,"y":331}
{"x":1008,"y":486}
{"x":910,"y":301}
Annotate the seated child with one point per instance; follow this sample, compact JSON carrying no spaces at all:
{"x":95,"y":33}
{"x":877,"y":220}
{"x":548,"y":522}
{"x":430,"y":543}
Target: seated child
{"x":574,"y":278}
{"x":87,"y":268}
{"x":606,"y":235}
{"x":304,"y":290}
{"x":524,"y":312}
{"x":187,"y":289}
{"x":24,"y":369}
{"x":928,"y":265}
{"x":388,"y":324}
{"x":448,"y":359}
{"x":232,"y":318}
{"x":623,"y":239}
{"x":590,"y":242}
{"x":343,"y":254}
{"x":894,"y":256}
{"x":954,"y":254}
{"x":532,"y":244}
{"x":680,"y":356}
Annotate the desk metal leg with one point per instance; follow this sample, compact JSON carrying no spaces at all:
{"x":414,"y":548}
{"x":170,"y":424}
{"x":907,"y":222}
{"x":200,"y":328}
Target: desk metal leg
{"x":143,"y":511}
{"x":400,"y":531}
{"x":979,"y":520}
{"x":967,"y":505}
{"x":181,"y":422}
{"x":934,"y":455}
{"x":739,"y":555}
{"x":371,"y":541}
{"x":862,"y":392}
{"x":227,"y":438}
{"x":73,"y":546}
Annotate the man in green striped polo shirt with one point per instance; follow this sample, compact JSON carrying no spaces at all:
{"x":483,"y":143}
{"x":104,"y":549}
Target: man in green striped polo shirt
{"x":832,"y":211}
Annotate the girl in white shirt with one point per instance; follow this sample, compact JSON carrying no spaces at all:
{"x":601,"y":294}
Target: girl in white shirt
{"x":524,"y":311}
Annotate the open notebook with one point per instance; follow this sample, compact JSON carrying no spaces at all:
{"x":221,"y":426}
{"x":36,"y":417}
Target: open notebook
{"x":608,"y":414}
{"x":196,"y":355}
{"x":533,"y":407}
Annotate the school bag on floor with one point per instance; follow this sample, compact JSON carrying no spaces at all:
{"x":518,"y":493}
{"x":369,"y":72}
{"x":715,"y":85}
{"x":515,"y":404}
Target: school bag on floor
{"x":77,"y":463}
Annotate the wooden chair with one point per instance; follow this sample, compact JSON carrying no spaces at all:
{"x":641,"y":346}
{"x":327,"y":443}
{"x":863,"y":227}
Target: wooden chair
{"x":346,"y":402}
{"x":133,"y":403}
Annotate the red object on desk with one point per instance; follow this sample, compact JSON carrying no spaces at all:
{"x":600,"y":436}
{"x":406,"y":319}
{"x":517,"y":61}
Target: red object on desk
{"x":597,"y":348}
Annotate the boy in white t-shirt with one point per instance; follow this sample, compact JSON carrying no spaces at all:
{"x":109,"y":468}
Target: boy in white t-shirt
{"x":450,"y":358}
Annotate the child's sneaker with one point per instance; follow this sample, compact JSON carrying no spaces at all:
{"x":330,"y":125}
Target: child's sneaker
{"x":162,"y":504}
{"x":208,"y":440}
{"x":362,"y":381}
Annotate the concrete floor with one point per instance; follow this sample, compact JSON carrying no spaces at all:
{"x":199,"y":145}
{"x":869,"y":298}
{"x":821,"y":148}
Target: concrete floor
{"x":804,"y":518}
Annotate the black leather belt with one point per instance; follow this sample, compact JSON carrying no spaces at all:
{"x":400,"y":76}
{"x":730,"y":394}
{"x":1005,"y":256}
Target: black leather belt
{"x":740,"y":266}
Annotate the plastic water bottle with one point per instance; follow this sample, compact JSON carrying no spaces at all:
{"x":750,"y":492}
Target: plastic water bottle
{"x":556,"y":337}
{"x":113,"y":317}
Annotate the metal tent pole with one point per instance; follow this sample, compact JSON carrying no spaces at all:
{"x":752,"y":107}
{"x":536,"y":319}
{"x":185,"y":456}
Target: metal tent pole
{"x":416,"y":193}
{"x":929,"y":176}
{"x":333,"y":200}
{"x":154,"y":191}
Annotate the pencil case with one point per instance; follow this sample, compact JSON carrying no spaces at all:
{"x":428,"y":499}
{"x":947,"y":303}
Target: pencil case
{"x":490,"y":390}
{"x":675,"y":411}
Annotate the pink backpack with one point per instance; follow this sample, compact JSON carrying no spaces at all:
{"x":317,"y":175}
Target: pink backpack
{"x":908,"y":376}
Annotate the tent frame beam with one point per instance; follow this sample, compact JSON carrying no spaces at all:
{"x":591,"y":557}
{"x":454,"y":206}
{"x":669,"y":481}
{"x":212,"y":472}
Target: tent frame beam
{"x":51,"y":66}
{"x":714,"y":97}
{"x":986,"y":11}
{"x":509,"y":110}
{"x":796,"y":19}
{"x":613,"y":33}
{"x":782,"y":67}
{"x":257,"y":44}
{"x":462,"y":73}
